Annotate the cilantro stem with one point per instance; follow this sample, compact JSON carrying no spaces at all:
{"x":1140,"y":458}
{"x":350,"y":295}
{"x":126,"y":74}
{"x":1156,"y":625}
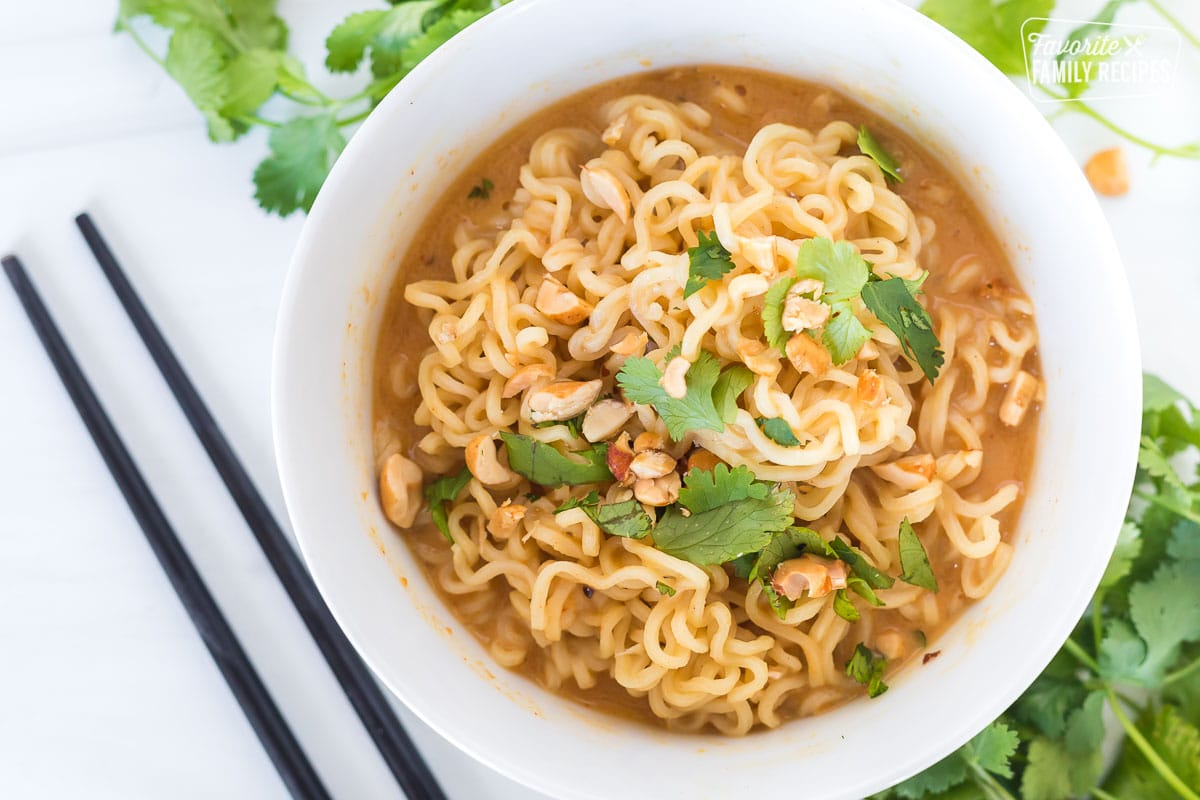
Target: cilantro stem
{"x":1081,"y":655}
{"x":993,"y":788}
{"x":254,"y":119}
{"x":1174,"y":22}
{"x":359,"y":117}
{"x":1161,"y":767}
{"x":1182,"y":672}
{"x":1160,"y":500}
{"x":1100,"y":794}
{"x":1189,"y":150}
{"x":141,"y":43}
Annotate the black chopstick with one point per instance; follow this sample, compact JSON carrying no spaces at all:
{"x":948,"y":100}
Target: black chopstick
{"x":397,"y":749}
{"x":272,"y":729}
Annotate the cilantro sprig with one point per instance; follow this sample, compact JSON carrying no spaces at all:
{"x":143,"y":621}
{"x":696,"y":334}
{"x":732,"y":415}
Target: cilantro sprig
{"x":1132,"y":664}
{"x":707,"y":261}
{"x":230,"y":58}
{"x":871,"y":147}
{"x":710,"y":401}
{"x":846,"y":278}
{"x":442,"y":492}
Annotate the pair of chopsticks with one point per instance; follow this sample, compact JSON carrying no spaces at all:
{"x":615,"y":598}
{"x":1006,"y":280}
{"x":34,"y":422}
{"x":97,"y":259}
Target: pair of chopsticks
{"x":280,"y":743}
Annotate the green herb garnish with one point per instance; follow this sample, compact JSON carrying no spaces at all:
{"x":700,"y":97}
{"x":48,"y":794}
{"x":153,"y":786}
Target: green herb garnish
{"x":867,"y":668}
{"x":727,"y":517}
{"x":707,"y":404}
{"x":441,"y":492}
{"x":665,"y":589}
{"x":893,"y":302}
{"x":545,"y":465}
{"x":843,"y":606}
{"x":481,"y":190}
{"x":872,"y":148}
{"x":707,"y":261}
{"x":626,"y":518}
{"x":844,"y":273}
{"x":778,"y":431}
{"x":772,"y":313}
{"x":231,"y":57}
{"x":914,"y":561}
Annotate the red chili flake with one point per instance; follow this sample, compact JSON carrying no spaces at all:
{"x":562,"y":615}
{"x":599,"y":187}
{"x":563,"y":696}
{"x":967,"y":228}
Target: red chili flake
{"x":930,"y":656}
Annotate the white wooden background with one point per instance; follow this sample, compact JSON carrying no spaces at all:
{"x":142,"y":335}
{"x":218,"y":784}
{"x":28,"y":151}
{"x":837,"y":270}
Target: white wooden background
{"x":105,"y":690}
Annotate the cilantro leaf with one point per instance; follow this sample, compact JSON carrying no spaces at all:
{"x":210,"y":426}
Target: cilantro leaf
{"x":859,"y":565}
{"x":1165,"y":613}
{"x":665,"y":588}
{"x":1177,"y":742}
{"x":544,"y":465}
{"x":348,"y":42}
{"x":871,"y":147}
{"x":844,"y":333}
{"x":836,"y":264}
{"x":863,"y":590}
{"x":1098,"y":24}
{"x":843,"y":606}
{"x":1158,"y":395}
{"x":704,"y":490}
{"x":626,"y":518}
{"x":867,"y":668}
{"x":743,"y":565}
{"x":196,"y":59}
{"x":302,"y":153}
{"x":778,"y":430}
{"x":914,"y":562}
{"x":892,"y":302}
{"x":441,"y":492}
{"x":1046,"y":774}
{"x":992,"y":748}
{"x":726,"y":532}
{"x":440,"y":32}
{"x":994,"y":29}
{"x":1152,"y":459}
{"x":772,"y":313}
{"x":1129,"y":545}
{"x":252,"y":76}
{"x":707,"y":261}
{"x":728,"y":388}
{"x":401,"y":25}
{"x":639,"y":379}
{"x":945,"y":774}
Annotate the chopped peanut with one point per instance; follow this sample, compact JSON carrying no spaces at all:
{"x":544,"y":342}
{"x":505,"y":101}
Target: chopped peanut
{"x":604,"y":190}
{"x":529,"y":375}
{"x":651,"y":464}
{"x":867,"y":351}
{"x":1107,"y":172}
{"x":796,"y":576}
{"x":1022,"y":392}
{"x":799,"y":312}
{"x":702,"y":459}
{"x":505,"y":518}
{"x":658,"y":492}
{"x":562,"y":400}
{"x":674,"y":377}
{"x":631,"y":344}
{"x":400,"y":490}
{"x":561,"y":304}
{"x":808,"y":355}
{"x":648,"y":440}
{"x":612,"y":134}
{"x":870,"y":388}
{"x":484,"y":464}
{"x":760,"y":359}
{"x":604,"y":419}
{"x":620,"y":456}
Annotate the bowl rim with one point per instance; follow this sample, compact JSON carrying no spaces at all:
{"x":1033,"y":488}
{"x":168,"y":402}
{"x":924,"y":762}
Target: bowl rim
{"x":371,"y":135}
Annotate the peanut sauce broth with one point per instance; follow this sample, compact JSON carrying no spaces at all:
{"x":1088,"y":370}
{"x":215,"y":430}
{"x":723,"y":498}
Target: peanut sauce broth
{"x":928,"y":188}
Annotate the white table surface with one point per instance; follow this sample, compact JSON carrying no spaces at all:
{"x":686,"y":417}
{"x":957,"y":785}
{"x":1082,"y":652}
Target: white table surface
{"x":105,"y":689}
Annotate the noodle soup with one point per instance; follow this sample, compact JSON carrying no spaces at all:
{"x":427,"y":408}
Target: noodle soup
{"x":707,"y":396}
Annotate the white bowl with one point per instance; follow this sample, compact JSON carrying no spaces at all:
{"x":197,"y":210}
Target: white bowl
{"x":518,"y":60}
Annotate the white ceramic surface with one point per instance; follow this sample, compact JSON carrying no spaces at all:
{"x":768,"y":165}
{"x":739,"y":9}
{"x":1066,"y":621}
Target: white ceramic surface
{"x":520,"y":59}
